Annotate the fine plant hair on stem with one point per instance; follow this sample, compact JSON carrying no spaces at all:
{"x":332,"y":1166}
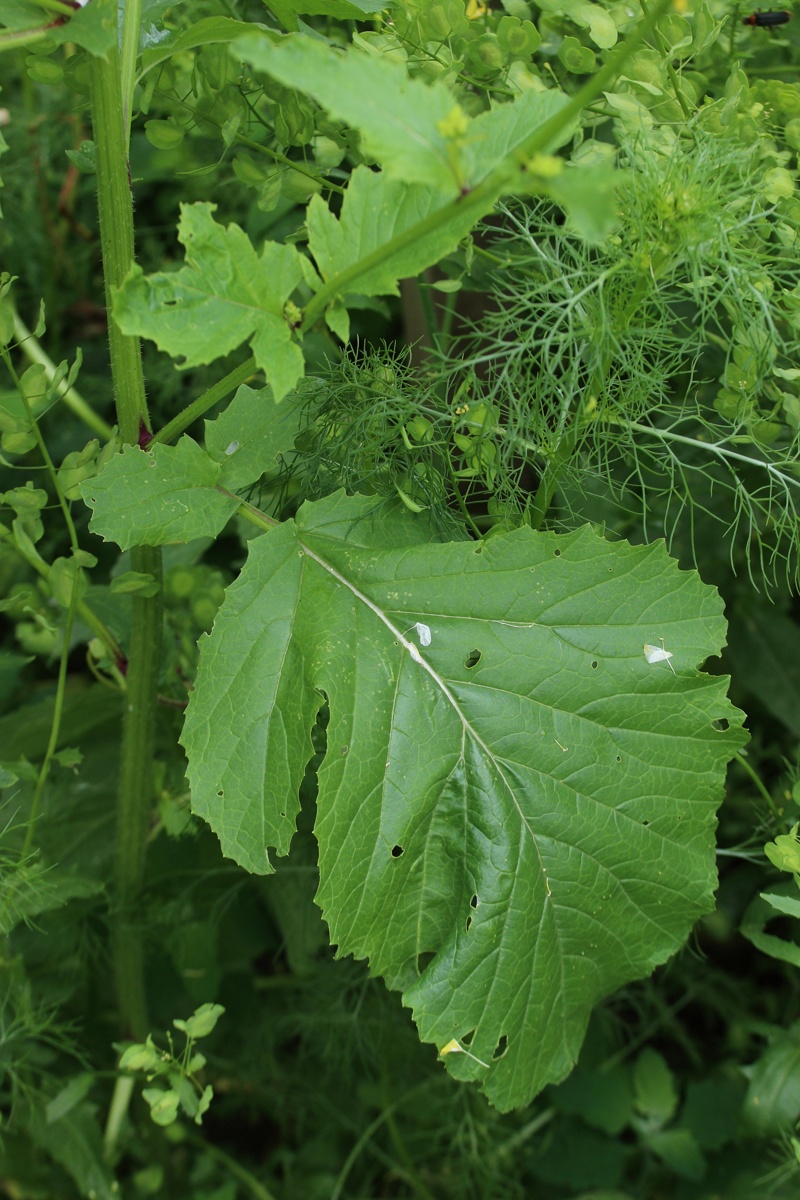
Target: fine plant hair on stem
{"x":601,"y":363}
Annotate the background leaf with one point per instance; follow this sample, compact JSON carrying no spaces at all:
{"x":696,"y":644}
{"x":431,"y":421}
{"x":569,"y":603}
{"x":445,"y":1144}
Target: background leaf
{"x":526,"y":819}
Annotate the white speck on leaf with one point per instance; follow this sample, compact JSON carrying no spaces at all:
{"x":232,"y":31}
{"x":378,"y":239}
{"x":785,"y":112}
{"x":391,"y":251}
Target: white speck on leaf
{"x":655,"y":654}
{"x":234,"y":446}
{"x":453,"y":1047}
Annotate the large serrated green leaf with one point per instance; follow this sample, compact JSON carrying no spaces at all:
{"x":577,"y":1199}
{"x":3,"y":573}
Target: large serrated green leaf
{"x":165,"y":494}
{"x":402,"y":121}
{"x":527,"y":799}
{"x":225,"y":294}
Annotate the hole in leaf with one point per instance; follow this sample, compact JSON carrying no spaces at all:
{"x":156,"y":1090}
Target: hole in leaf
{"x":472,"y":659}
{"x":468,"y":1038}
{"x":618,"y":758}
{"x":397,"y":851}
{"x":424,"y":961}
{"x":474,"y":902}
{"x":721,"y":725}
{"x":594,"y":664}
{"x":557,"y":553}
{"x":501,"y":1048}
{"x":220,"y":793}
{"x":645,"y":823}
{"x":468,"y":923}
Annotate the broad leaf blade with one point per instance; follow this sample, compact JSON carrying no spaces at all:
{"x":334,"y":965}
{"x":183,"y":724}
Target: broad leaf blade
{"x":402,"y":121}
{"x":247,"y":438}
{"x":226,"y":294}
{"x":527,"y":799}
{"x":175,"y":491}
{"x":375,"y":210}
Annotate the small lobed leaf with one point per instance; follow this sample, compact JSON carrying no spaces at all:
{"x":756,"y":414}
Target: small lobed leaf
{"x":248,"y":437}
{"x":225,"y":295}
{"x":375,"y":210}
{"x":202,"y":1021}
{"x":176,"y":496}
{"x":512,"y":820}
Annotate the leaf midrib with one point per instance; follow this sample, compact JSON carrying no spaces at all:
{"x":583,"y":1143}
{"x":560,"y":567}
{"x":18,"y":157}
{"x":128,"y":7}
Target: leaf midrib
{"x":440,"y":683}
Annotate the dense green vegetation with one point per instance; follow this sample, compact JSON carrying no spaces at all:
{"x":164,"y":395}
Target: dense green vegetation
{"x":400,"y":675}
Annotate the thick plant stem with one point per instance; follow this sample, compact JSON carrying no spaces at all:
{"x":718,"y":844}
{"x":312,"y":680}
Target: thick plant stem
{"x":136,"y":775}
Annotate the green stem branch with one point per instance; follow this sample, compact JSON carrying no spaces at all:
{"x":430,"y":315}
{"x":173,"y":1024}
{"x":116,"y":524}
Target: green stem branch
{"x":202,"y":404}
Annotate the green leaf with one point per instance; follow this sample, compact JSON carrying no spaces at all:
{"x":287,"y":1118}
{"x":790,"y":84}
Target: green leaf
{"x":783,"y":904}
{"x":29,"y":890}
{"x":165,"y":494}
{"x":586,"y":15}
{"x":70,"y":1095}
{"x":209,"y":31}
{"x":765,"y":658}
{"x":711,"y":1111}
{"x":94,"y":26}
{"x":678,"y":1149}
{"x":202,"y":1021}
{"x":603,"y":1099}
{"x":75,"y":1142}
{"x":163,"y":1105}
{"x":225,"y":294}
{"x":247,"y":438}
{"x":772,"y":1103}
{"x":527,"y":802}
{"x":577,"y":58}
{"x":784,"y":852}
{"x":589,"y":197}
{"x":759,"y":912}
{"x":654,"y":1087}
{"x":402,"y":121}
{"x":376,"y":209}
{"x":287,"y":11}
{"x":143,"y":1056}
{"x":25,"y":732}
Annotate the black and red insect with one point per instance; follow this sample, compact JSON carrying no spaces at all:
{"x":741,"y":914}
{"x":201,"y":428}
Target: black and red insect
{"x":768,"y":18}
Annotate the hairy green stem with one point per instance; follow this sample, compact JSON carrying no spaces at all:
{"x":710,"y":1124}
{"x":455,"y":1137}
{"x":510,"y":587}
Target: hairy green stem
{"x":203,"y":403}
{"x":138,"y":740}
{"x":17,"y":38}
{"x":128,"y":52}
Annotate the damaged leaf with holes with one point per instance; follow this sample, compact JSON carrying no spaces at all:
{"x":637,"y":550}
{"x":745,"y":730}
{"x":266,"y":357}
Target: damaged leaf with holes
{"x":513,"y":820}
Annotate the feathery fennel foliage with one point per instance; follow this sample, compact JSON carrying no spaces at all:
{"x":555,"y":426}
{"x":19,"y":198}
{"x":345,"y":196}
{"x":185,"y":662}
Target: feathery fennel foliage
{"x":656,"y":369}
{"x":604,"y":362}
